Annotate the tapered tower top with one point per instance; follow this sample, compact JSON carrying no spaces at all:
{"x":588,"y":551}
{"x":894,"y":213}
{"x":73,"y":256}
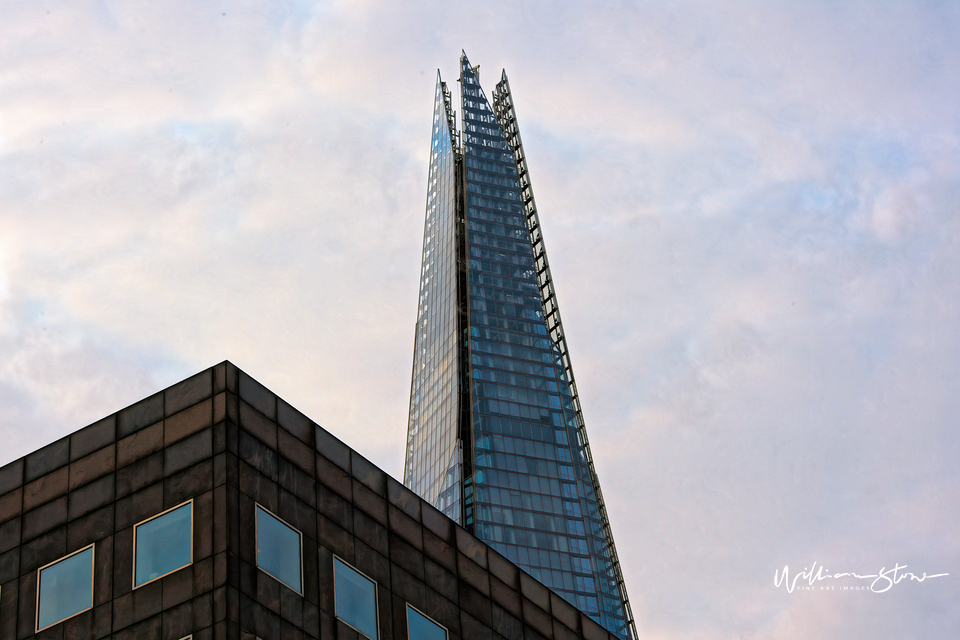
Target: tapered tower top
{"x":496,"y":437}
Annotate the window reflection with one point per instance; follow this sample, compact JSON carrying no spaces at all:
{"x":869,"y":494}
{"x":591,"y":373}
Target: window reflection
{"x":65,"y":588}
{"x":163,"y":544}
{"x":420,"y":627}
{"x":278,"y":549}
{"x":356,"y":598}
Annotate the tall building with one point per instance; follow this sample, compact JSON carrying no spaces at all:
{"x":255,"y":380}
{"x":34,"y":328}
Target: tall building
{"x":213,"y":510}
{"x":496,"y":439}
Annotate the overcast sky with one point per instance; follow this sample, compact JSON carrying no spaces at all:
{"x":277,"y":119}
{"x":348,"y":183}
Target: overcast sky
{"x":751,"y":211}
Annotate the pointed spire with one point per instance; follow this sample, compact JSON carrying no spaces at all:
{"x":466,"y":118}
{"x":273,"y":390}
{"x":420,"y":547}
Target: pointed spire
{"x":467,"y":68}
{"x":454,"y":453}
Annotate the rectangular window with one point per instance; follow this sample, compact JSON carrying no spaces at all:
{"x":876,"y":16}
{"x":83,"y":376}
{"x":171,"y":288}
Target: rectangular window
{"x":278,"y":549}
{"x":420,"y":627}
{"x":163,"y":544}
{"x":355,"y":598}
{"x":65,"y":588}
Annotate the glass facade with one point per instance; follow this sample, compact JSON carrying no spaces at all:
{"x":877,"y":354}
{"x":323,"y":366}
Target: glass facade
{"x":434,"y":456}
{"x":163,"y":544}
{"x":356,"y":598}
{"x":527,"y":484}
{"x":278,"y":549}
{"x":65,"y":588}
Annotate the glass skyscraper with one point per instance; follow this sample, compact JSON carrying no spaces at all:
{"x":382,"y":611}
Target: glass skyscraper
{"x":496,"y":439}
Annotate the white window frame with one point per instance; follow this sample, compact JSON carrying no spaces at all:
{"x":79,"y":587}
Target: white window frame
{"x":93,"y":571}
{"x":376,"y":597}
{"x":151,"y":518}
{"x":257,"y":544}
{"x":410,"y":606}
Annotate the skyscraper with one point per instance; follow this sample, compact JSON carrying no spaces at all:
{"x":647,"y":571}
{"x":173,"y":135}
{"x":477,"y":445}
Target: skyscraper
{"x":496,"y":439}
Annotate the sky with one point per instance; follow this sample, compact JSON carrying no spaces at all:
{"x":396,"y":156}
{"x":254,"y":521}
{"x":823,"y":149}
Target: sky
{"x":751,"y":215}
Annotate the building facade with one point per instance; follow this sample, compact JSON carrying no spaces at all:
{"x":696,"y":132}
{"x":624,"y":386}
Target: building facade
{"x":215,"y":510}
{"x":495,"y":438}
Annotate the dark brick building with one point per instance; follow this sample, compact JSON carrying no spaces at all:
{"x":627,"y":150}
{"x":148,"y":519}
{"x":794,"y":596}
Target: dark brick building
{"x":181,"y":516}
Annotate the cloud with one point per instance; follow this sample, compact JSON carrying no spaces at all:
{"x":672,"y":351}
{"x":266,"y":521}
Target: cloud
{"x":58,"y":375}
{"x":749,"y":210}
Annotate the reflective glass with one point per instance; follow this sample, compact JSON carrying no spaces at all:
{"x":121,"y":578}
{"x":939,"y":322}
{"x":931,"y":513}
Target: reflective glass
{"x":163,"y":544}
{"x":434,"y":456}
{"x":494,"y":437}
{"x":65,"y":588}
{"x":278,"y":549}
{"x":531,"y":467}
{"x":529,"y":459}
{"x":356,"y":598}
{"x":420,"y":627}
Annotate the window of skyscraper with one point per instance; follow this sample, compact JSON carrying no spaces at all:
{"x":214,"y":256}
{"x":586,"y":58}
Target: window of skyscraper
{"x":163,"y":544}
{"x":420,"y":627}
{"x":278,"y":549}
{"x":356,"y":598}
{"x":65,"y":588}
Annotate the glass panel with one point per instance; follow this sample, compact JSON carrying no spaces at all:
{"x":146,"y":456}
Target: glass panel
{"x":434,"y":457}
{"x":356,"y":599}
{"x":420,"y":627}
{"x":534,"y":499}
{"x":163,"y":544}
{"x":278,"y":549}
{"x":65,"y":588}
